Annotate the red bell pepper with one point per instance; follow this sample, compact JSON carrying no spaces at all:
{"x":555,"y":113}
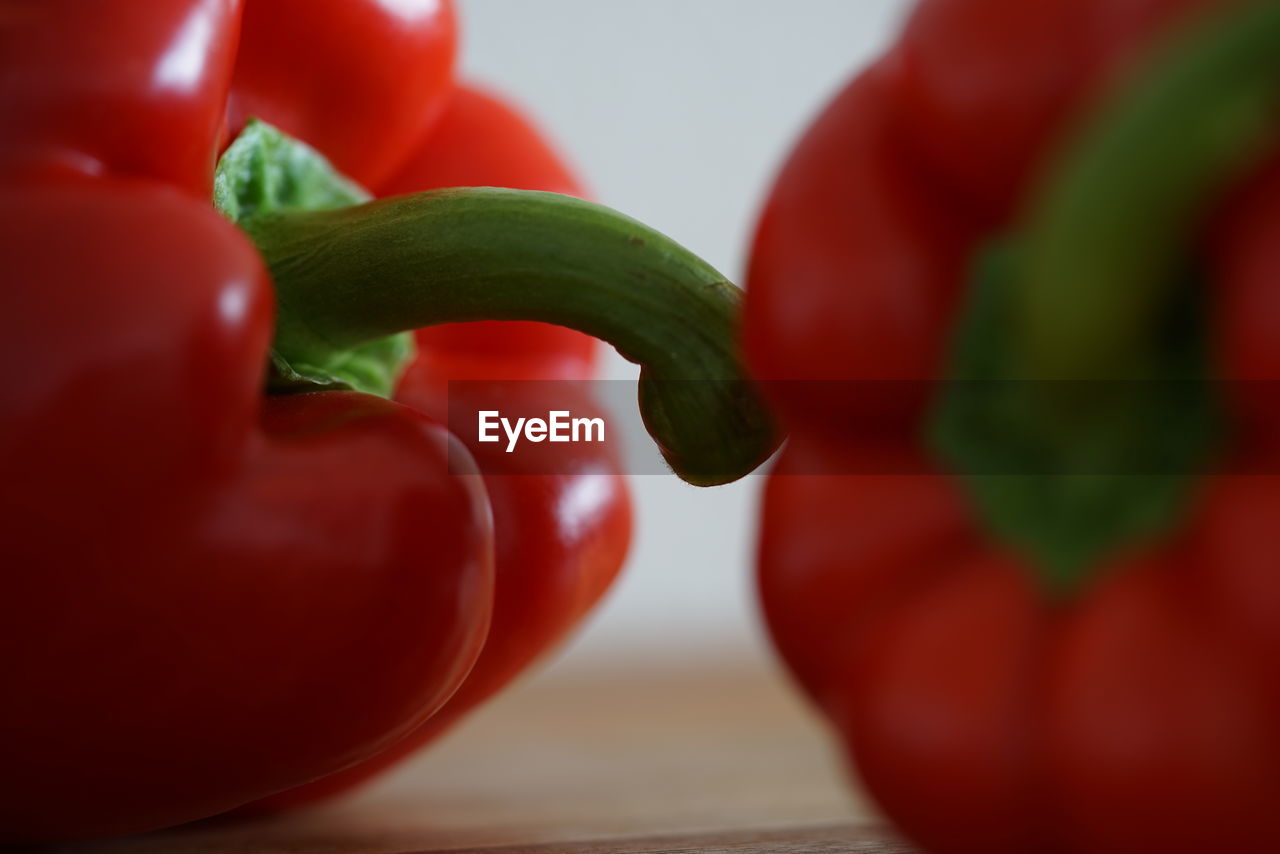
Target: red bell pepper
{"x":1035,"y":627}
{"x":555,"y":554}
{"x":212,"y":595}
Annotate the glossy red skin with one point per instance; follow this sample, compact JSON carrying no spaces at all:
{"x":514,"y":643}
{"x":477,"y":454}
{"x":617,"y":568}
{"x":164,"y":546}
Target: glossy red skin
{"x":95,"y":87}
{"x":560,"y":538}
{"x":983,"y":716}
{"x":209,"y":597}
{"x":361,"y":80}
{"x":234,"y":595}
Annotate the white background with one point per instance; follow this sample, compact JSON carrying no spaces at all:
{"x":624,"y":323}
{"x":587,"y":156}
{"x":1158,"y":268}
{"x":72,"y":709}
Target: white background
{"x":677,"y":112}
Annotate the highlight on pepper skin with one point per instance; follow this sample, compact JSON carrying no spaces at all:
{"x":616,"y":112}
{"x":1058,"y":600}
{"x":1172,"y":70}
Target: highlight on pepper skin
{"x":355,"y":346}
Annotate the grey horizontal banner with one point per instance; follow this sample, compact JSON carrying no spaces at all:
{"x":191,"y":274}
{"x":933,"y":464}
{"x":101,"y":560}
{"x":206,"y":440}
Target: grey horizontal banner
{"x":866,"y":427}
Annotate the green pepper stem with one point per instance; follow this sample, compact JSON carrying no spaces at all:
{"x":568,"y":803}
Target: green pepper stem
{"x":351,"y":276}
{"x":1110,"y":235}
{"x":1099,"y":287}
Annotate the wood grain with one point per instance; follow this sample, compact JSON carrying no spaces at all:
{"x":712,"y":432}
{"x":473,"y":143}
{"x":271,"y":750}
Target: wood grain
{"x":709,"y":758}
{"x":821,"y":840}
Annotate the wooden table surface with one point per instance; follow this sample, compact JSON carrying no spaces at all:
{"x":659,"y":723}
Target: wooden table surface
{"x":638,"y":759}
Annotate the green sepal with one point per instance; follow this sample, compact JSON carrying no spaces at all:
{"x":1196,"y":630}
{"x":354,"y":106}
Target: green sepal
{"x":373,"y":368}
{"x":1070,"y":472}
{"x":1103,"y":414}
{"x":265,"y":172}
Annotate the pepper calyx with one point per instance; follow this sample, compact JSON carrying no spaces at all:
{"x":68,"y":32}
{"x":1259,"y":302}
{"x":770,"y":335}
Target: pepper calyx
{"x":265,"y":172}
{"x":353,"y":276}
{"x":1084,"y":409}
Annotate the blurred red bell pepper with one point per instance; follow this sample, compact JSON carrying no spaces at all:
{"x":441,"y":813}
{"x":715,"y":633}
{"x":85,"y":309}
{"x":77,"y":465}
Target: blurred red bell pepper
{"x":212,"y":595}
{"x":1035,"y":627}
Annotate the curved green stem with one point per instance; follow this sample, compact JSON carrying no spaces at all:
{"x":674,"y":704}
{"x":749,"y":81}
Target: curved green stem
{"x":1084,"y":415}
{"x":354,"y":275}
{"x":1112,"y":230}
